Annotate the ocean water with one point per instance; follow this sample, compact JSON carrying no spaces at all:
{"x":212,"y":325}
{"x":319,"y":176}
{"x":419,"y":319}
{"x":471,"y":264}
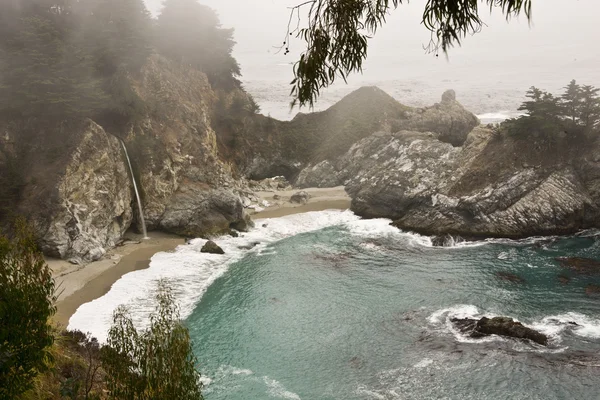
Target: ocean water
{"x":325,"y":305}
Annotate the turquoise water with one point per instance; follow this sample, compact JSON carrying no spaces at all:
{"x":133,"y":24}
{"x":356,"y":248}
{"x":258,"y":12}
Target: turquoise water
{"x":345,"y":314}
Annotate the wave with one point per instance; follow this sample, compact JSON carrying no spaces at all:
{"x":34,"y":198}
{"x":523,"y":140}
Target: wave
{"x":576,"y":323}
{"x":190,"y":272}
{"x":554,"y":326}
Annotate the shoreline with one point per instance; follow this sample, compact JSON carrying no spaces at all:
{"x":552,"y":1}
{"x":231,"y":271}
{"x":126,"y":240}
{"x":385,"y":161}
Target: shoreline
{"x":77,"y":284}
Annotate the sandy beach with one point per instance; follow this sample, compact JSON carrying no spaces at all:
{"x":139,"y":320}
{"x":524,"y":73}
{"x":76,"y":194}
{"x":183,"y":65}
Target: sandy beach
{"x":320,"y":199}
{"x":80,"y":284}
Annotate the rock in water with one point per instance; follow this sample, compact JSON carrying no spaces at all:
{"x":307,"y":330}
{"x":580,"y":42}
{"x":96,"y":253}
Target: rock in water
{"x":300,"y":197}
{"x":502,"y":326}
{"x":212,"y":248}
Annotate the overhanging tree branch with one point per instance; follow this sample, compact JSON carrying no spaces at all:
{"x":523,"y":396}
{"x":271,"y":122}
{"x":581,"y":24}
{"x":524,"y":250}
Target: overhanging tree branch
{"x":338,"y":31}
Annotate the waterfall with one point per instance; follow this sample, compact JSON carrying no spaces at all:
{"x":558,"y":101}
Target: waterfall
{"x":137,"y":194}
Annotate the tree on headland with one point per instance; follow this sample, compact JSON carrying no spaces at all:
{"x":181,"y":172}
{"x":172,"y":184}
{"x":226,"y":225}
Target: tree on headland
{"x":336,"y":34}
{"x":26,"y":304}
{"x":574,"y":114}
{"x":156,"y":364}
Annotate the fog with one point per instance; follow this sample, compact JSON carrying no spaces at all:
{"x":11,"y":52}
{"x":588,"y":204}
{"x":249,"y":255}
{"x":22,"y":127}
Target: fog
{"x":490,"y":71}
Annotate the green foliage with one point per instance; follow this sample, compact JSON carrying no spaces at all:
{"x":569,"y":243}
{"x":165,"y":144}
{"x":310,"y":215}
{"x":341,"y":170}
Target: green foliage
{"x":26,"y":304}
{"x":337,"y":35}
{"x":190,"y":33}
{"x":156,"y":364}
{"x":576,"y":113}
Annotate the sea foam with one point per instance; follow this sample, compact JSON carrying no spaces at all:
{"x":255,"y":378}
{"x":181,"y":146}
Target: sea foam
{"x":190,"y":272}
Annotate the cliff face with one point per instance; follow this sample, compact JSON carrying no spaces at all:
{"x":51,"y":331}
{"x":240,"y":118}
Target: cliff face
{"x":75,"y":187}
{"x":186,"y":188}
{"x":272,"y":147}
{"x":76,"y":192}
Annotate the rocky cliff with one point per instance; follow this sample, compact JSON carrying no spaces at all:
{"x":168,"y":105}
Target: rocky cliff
{"x":72,"y":180}
{"x":493,"y":186}
{"x":76,"y":192}
{"x":447,"y":122}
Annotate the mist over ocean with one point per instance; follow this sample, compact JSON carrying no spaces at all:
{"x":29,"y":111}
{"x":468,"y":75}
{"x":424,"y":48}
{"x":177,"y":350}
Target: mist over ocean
{"x":490,"y":72}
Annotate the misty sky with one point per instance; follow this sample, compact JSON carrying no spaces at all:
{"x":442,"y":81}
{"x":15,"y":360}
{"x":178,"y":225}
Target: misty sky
{"x":560,"y":45}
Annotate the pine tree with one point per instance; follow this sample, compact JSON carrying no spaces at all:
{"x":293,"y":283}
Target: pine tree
{"x":589,"y":108}
{"x":571,"y":101}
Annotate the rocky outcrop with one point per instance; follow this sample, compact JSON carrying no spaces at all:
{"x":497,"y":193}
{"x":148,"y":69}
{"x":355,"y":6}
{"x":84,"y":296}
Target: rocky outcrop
{"x":502,"y":326}
{"x":447,"y":122}
{"x":490,"y":187}
{"x":186,"y":188}
{"x":79,"y":204}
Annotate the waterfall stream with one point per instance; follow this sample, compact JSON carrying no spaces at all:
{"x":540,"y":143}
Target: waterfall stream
{"x":137,"y":194}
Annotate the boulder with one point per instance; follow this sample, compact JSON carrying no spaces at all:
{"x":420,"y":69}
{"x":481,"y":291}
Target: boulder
{"x":501,"y":326}
{"x":212,"y":248}
{"x":300,"y":197}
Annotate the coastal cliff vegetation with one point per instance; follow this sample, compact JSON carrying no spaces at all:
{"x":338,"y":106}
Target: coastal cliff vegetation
{"x":40,"y":361}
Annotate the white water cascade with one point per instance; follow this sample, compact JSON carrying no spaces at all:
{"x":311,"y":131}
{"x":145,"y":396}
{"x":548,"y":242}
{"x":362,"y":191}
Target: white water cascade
{"x":137,"y":194}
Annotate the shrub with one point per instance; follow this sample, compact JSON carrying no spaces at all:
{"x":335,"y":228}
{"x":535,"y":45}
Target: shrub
{"x":157,"y":363}
{"x":26,"y":304}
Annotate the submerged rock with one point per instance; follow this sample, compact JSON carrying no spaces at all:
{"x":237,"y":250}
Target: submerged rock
{"x":564,"y":280}
{"x":212,"y":248}
{"x":592,"y":290}
{"x":509,"y":277}
{"x":586,"y":266}
{"x":502,"y":326}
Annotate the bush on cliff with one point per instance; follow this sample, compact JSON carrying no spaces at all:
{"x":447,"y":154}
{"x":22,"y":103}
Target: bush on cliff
{"x":26,"y":304}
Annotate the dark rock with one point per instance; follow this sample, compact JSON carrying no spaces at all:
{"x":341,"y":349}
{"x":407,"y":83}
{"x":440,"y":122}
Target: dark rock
{"x":586,"y":266}
{"x":300,"y":197}
{"x":242,"y":225}
{"x":265,"y":225}
{"x":212,"y":248}
{"x":509,"y":277}
{"x":276,"y":197}
{"x":563,"y":279}
{"x":233,"y":233}
{"x":502,"y":326}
